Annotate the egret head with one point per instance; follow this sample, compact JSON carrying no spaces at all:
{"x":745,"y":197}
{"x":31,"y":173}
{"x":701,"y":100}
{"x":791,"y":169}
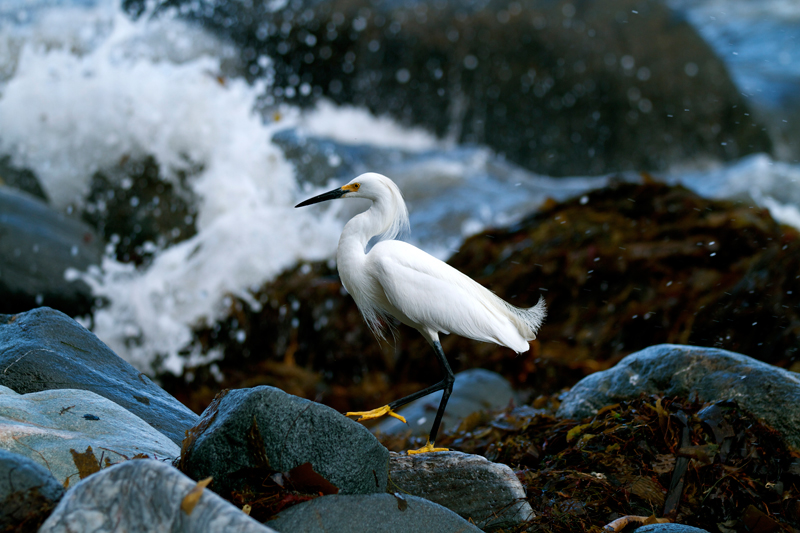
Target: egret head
{"x":388,"y":206}
{"x":371,"y":186}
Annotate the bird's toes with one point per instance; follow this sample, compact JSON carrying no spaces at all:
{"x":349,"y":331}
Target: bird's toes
{"x":375,"y":413}
{"x":430,"y":447}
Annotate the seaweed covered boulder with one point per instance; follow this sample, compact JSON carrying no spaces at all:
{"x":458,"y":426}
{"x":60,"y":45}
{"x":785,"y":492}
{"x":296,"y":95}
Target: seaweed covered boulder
{"x":771,"y":394}
{"x":668,"y":457}
{"x":137,"y":210}
{"x":634,"y":265}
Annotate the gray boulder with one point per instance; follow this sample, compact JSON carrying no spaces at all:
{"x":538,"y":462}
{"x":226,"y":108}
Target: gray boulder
{"x":488,"y":494}
{"x":474,"y":390}
{"x":145,"y":495}
{"x":53,"y":428}
{"x":44,"y":349}
{"x":246,"y":428}
{"x":373,"y":513}
{"x":770,"y":393}
{"x":28,"y":493}
{"x":37,"y":247}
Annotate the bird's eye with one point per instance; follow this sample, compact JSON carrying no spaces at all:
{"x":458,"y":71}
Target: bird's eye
{"x":356,"y":186}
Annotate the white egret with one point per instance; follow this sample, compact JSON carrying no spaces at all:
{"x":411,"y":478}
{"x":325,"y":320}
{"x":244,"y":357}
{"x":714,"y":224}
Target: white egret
{"x":397,"y":279}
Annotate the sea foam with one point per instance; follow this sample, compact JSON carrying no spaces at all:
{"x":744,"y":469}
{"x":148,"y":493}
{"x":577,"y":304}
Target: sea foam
{"x":68,"y":112}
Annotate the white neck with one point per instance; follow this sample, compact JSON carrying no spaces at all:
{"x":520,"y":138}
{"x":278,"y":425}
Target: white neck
{"x":387,"y":216}
{"x":363,"y":227}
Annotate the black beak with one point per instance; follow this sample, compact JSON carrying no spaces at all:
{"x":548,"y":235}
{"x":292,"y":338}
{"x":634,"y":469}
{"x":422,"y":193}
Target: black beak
{"x":332,"y":195}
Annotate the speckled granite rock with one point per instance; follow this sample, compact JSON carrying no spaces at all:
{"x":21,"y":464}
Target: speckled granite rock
{"x":144,"y":495}
{"x":488,"y":494}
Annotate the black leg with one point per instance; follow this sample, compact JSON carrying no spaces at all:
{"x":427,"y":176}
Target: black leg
{"x":446,"y":385}
{"x":448,"y":381}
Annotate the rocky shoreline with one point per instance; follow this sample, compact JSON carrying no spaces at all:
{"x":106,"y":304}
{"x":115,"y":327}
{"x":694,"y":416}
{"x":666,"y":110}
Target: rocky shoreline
{"x":672,"y":430}
{"x":637,"y":278}
{"x":551,"y":440}
{"x":664,"y":384}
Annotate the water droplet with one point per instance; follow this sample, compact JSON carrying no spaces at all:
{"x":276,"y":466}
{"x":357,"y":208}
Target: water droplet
{"x":471,"y":62}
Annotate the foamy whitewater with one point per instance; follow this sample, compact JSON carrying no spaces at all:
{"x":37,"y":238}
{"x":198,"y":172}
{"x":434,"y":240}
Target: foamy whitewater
{"x":82,"y":87}
{"x":68,"y":111}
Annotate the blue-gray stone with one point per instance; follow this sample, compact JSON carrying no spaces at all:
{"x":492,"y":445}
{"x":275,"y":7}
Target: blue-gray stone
{"x":142,"y":496}
{"x":372,"y":513}
{"x":45,"y":349}
{"x":768,"y":392}
{"x":487,"y":494}
{"x":294,"y":431}
{"x":50,"y":426}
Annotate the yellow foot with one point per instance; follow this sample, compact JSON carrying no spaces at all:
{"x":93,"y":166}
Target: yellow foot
{"x":428,"y":448}
{"x":376,"y":413}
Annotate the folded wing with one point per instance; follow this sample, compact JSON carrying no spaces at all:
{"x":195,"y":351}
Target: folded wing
{"x":431,"y":294}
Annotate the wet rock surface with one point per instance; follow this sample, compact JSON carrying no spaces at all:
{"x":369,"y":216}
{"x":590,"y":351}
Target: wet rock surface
{"x":485,"y":493}
{"x":28,"y":493}
{"x":44,"y":349}
{"x":38,"y":245}
{"x":146,"y":495}
{"x":72,"y":433}
{"x":558,"y":87}
{"x":378,"y":513}
{"x":709,"y":375}
{"x":264,"y":428}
